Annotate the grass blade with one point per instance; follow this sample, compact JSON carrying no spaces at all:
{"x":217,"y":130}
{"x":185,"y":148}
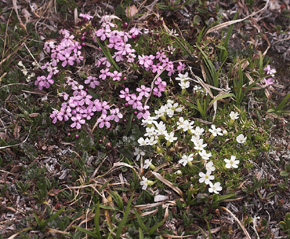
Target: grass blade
{"x":154,"y":228}
{"x":54,"y":216}
{"x":86,"y":231}
{"x":219,"y":97}
{"x":107,"y":53}
{"x":97,"y":221}
{"x":125,"y":217}
{"x":140,"y":221}
{"x":283,"y":102}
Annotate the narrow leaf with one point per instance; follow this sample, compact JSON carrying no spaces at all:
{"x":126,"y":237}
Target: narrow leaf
{"x":97,"y":221}
{"x":125,"y":217}
{"x":222,"y":97}
{"x":141,"y":223}
{"x":86,"y":231}
{"x":154,"y":228}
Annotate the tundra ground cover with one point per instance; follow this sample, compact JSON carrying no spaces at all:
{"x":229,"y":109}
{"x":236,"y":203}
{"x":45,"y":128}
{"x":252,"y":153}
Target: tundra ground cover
{"x":116,"y":128}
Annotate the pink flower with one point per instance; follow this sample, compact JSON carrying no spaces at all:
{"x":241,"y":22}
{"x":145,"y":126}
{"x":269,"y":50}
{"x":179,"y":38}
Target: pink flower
{"x":78,"y":121}
{"x":86,"y":16}
{"x":101,"y":33}
{"x":143,"y":112}
{"x":125,"y":94}
{"x":157,"y":92}
{"x":104,"y":120}
{"x":105,"y":73}
{"x":92,"y":81}
{"x":269,"y":71}
{"x":116,"y":75}
{"x":135,"y":31}
{"x":144,"y":91}
{"x":161,"y":84}
{"x":181,"y":66}
{"x":43,"y":82}
{"x":135,"y":101}
{"x":269,"y":81}
{"x":115,"y":114}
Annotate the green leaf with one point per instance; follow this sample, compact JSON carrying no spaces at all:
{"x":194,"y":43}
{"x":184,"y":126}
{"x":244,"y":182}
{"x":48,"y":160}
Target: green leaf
{"x":140,"y":221}
{"x":118,"y":199}
{"x":224,"y":197}
{"x":125,"y":217}
{"x":86,"y":231}
{"x":97,"y":221}
{"x":54,"y":216}
{"x":283,"y":102}
{"x":200,"y":35}
{"x":284,"y":174}
{"x":154,"y":228}
{"x":37,"y":219}
{"x":141,"y":235}
{"x":104,"y":185}
{"x":107,"y":53}
{"x":221,"y":97}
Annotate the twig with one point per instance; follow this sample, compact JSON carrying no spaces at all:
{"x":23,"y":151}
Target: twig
{"x":3,"y":52}
{"x":15,"y":8}
{"x":32,"y":56}
{"x":238,"y":221}
{"x":9,"y":146}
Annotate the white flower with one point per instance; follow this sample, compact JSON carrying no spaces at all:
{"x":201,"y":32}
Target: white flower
{"x":150,"y":120}
{"x":215,"y":131}
{"x":197,"y":88}
{"x":180,"y":123}
{"x":160,"y":128}
{"x":209,"y":166}
{"x":205,"y":177}
{"x":150,"y":131}
{"x":232,"y":163}
{"x":184,"y":84}
{"x":178,"y":172}
{"x":139,"y":153}
{"x":171,"y":108}
{"x":204,"y":154}
{"x":198,"y":131}
{"x":195,"y":139}
{"x":182,"y":77}
{"x":141,"y":141}
{"x":20,"y":63}
{"x":147,"y":163}
{"x":159,"y":198}
{"x":241,"y":139}
{"x":188,"y":125}
{"x":151,"y":141}
{"x":170,"y":137}
{"x":161,"y":112}
{"x":199,"y":145}
{"x":234,"y":115}
{"x":185,"y":159}
{"x":215,"y":188}
{"x":144,"y":183}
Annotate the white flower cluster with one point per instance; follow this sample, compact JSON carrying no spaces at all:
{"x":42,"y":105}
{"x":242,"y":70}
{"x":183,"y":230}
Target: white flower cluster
{"x":156,"y":131}
{"x":184,"y":80}
{"x":25,"y":71}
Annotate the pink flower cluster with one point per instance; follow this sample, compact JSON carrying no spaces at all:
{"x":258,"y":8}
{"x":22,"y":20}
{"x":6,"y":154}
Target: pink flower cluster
{"x":81,"y":107}
{"x":78,"y":106}
{"x":162,"y":62}
{"x":117,"y":40}
{"x":67,"y":52}
{"x":135,"y":101}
